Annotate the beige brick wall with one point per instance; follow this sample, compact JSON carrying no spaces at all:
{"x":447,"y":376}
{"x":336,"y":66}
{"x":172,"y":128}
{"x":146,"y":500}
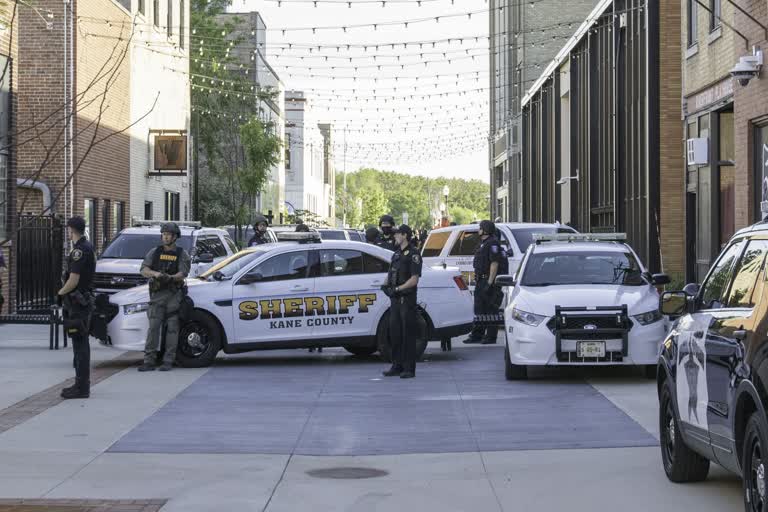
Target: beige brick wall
{"x":714,"y":58}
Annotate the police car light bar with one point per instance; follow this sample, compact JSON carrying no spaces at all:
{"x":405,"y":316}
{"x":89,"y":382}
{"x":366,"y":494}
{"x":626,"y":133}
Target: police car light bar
{"x":293,"y":236}
{"x":580,"y":237}
{"x":137,"y":222}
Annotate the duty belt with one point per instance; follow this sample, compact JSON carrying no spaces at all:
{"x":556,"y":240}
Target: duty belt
{"x":482,"y":276}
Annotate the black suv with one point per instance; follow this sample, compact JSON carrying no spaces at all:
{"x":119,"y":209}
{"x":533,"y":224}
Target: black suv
{"x":713,"y":371}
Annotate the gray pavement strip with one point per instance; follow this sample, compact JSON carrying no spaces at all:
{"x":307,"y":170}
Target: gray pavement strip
{"x":38,"y":403}
{"x":330,"y":404}
{"x":45,"y":505}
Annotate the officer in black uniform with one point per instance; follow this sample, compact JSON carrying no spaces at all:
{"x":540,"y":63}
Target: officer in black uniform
{"x":386,"y":238}
{"x":302,"y":228}
{"x":77,"y":298}
{"x":401,"y":287}
{"x":488,"y":296}
{"x":372,"y":234}
{"x":260,"y":225}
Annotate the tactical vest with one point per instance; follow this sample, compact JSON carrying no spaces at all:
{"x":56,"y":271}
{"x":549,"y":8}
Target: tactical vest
{"x":166,"y":262}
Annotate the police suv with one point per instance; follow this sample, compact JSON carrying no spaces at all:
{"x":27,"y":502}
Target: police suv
{"x":119,"y":264}
{"x":455,"y":246}
{"x":713,"y":371}
{"x":581,"y":300}
{"x":297,"y":295}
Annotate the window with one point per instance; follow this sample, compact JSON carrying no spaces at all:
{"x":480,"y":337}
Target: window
{"x":715,"y":286}
{"x":284,"y":267}
{"x":148,"y":210}
{"x":215,"y":246}
{"x":466,"y":244}
{"x":136,"y":246}
{"x":693,"y":25}
{"x":117,"y":217}
{"x":761,"y":169}
{"x":171,"y":206}
{"x":89,"y":214}
{"x":434,"y":244}
{"x":106,"y":215}
{"x":231,"y":244}
{"x":287,"y":151}
{"x":714,"y":15}
{"x":524,"y":237}
{"x":332,"y":234}
{"x":182,"y":21}
{"x":169,"y":19}
{"x":340,"y":262}
{"x":746,"y":288}
{"x":156,"y":12}
{"x":142,"y":7}
{"x":373,"y":265}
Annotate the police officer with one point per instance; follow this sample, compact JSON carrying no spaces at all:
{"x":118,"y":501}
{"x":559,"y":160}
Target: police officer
{"x":78,"y":305}
{"x":372,"y":234}
{"x":260,"y":225}
{"x":385,"y":238}
{"x":401,"y":287}
{"x":488,"y":296}
{"x":166,"y":266}
{"x":302,"y":228}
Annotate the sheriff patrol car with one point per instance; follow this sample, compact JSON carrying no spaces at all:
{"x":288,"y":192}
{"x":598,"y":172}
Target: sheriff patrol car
{"x":712,"y":386}
{"x":581,"y":300}
{"x":296,"y":295}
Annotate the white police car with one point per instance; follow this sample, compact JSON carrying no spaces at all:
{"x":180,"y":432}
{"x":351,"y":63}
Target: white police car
{"x":289,"y":295}
{"x":581,"y":300}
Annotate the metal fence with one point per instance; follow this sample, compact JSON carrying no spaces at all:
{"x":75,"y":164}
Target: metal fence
{"x":39,"y":260}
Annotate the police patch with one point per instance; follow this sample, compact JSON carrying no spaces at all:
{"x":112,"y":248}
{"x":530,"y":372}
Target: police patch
{"x":77,"y":254}
{"x":416,"y":258}
{"x":405,"y":253}
{"x":494,"y":249}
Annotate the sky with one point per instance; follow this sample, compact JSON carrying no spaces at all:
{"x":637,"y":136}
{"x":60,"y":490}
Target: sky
{"x":439,"y":126}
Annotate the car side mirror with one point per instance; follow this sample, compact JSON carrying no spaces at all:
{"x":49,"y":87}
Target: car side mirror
{"x":204,"y":257}
{"x":691,"y":289}
{"x":505,"y":280}
{"x":251,"y":278}
{"x":674,"y":303}
{"x":660,"y":279}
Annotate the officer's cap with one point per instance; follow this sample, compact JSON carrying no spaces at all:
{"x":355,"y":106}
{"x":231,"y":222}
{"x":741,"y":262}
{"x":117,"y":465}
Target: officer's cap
{"x":77,"y":223}
{"x":405,"y":229}
{"x":386,"y":218}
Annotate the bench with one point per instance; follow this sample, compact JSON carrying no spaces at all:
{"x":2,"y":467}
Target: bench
{"x":52,"y":319}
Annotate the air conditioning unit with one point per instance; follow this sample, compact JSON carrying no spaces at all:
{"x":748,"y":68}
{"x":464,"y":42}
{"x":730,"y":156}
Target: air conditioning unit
{"x":698,"y":151}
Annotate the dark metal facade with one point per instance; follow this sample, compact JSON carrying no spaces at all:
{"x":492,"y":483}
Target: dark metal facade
{"x":39,"y":249}
{"x":612,"y":91}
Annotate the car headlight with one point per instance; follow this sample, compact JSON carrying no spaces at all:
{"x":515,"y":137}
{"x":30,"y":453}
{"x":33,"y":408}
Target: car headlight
{"x":648,"y":317}
{"x":526,"y":318}
{"x":131,"y":309}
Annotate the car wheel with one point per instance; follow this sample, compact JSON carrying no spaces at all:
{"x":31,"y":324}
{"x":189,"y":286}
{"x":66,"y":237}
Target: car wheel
{"x":649,"y":371}
{"x":513,"y":371}
{"x":361,"y":351}
{"x":681,"y":464}
{"x":199,"y":341}
{"x":382,"y":337}
{"x":755,"y":458}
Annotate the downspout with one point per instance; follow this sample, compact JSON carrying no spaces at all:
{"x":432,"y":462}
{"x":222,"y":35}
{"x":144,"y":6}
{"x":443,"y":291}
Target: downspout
{"x":66,"y":107}
{"x":68,"y":3}
{"x":42,"y":187}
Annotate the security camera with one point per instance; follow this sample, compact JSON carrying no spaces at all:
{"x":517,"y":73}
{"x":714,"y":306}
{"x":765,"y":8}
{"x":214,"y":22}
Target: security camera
{"x":748,"y":67}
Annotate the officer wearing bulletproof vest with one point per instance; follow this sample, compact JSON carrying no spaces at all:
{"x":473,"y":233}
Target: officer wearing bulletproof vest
{"x":77,"y":299}
{"x":260,"y":225}
{"x":166,"y":267}
{"x":386,"y":238}
{"x":487,"y":294}
{"x":401,"y":287}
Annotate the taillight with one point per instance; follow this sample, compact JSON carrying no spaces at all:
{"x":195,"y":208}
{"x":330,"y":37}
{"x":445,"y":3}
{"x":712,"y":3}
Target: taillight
{"x":460,"y":282}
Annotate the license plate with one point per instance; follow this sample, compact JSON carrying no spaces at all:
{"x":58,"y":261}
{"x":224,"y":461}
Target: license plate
{"x":590,"y":349}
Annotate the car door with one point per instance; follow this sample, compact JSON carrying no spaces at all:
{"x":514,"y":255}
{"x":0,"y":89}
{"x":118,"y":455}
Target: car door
{"x":462,"y":254}
{"x":272,"y":307}
{"x":349,"y":281}
{"x":696,"y":333}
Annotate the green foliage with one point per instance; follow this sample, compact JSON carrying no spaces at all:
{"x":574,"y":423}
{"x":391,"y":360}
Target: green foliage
{"x":417,"y":195}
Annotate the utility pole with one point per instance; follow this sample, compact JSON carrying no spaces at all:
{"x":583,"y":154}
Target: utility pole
{"x":196,"y":168}
{"x":344,"y":166}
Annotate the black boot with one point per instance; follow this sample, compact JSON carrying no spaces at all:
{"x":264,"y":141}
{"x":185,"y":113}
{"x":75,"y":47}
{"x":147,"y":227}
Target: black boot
{"x":79,"y":390}
{"x":393,"y":372}
{"x":146,"y":368}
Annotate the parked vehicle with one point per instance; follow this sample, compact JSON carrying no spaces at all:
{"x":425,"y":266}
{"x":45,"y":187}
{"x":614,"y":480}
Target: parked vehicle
{"x":247,"y":234}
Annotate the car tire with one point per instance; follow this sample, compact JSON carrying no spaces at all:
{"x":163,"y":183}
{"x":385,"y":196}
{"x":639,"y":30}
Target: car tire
{"x":199,"y":341}
{"x":755,"y":451}
{"x":681,"y":464}
{"x":649,"y":371}
{"x":513,"y":371}
{"x":361,"y":350}
{"x":382,"y":337}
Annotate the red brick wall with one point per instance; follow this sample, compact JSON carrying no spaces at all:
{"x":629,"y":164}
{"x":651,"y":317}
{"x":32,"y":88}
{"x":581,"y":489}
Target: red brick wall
{"x":750,"y":108}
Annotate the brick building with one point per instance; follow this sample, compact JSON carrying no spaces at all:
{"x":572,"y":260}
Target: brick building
{"x":726,"y":125}
{"x":601,"y":130}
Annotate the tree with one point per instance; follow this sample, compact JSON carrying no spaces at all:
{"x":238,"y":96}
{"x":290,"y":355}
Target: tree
{"x":374,"y":206}
{"x":461,"y":215}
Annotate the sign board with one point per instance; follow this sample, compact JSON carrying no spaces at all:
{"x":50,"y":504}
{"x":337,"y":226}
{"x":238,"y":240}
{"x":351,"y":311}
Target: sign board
{"x":170,"y":155}
{"x":405,"y":217}
{"x":714,"y":94}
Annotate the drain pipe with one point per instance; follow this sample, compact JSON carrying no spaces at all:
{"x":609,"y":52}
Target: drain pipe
{"x":37,"y":185}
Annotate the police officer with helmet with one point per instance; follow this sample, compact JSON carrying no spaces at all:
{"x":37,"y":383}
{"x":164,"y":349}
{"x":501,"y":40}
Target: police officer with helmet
{"x":77,"y":299}
{"x":386,"y":238}
{"x":166,"y":267}
{"x":372,"y":234}
{"x":489,"y":260}
{"x":260,"y":225}
{"x":401,"y":288}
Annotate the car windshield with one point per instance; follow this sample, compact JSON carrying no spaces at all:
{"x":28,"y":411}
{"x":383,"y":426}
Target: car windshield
{"x":332,"y":235}
{"x":524,"y":237}
{"x":582,"y":267}
{"x":135,"y":246}
{"x":232,"y":265}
